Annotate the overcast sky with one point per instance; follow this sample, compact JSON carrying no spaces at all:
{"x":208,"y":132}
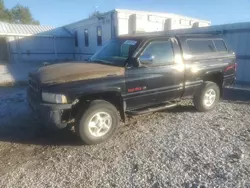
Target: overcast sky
{"x":62,"y":12}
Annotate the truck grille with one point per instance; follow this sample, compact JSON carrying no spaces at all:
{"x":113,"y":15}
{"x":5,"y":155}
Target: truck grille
{"x":34,"y":89}
{"x":33,"y":84}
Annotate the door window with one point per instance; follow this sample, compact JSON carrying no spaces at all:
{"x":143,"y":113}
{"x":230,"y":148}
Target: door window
{"x":161,"y":52}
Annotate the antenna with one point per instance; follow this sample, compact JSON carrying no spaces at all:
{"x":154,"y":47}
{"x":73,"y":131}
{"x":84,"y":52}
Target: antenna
{"x":96,"y":7}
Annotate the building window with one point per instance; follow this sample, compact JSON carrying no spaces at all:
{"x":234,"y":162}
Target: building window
{"x":99,"y":36}
{"x":86,"y":37}
{"x":183,"y":22}
{"x":76,"y":39}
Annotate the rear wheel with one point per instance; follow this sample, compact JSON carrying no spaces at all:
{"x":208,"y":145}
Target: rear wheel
{"x":98,"y":123}
{"x":206,"y":97}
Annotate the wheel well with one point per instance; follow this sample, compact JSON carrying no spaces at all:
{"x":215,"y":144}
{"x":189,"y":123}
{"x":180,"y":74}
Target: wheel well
{"x":114,"y":98}
{"x":216,"y":78}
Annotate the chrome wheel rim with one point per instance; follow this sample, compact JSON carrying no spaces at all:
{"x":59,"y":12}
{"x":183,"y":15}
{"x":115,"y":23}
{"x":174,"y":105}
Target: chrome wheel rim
{"x":100,"y":124}
{"x":209,"y":97}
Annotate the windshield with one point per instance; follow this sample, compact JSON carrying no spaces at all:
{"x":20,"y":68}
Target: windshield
{"x":115,"y":52}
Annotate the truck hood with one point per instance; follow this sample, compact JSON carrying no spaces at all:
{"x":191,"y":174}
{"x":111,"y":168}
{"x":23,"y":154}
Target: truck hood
{"x":76,"y":71}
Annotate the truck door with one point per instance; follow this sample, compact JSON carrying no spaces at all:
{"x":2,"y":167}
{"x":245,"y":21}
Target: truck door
{"x":159,"y":77}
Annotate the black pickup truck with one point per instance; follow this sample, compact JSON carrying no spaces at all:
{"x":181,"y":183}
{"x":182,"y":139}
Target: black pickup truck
{"x":131,"y":75}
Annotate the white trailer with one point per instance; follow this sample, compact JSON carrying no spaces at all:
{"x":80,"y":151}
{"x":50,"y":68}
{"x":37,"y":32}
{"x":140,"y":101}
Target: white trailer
{"x":90,"y":34}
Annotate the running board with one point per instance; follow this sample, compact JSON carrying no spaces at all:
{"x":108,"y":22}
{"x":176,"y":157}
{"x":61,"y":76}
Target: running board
{"x":151,"y":109}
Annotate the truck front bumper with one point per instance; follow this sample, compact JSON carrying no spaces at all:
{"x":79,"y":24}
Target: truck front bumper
{"x":51,"y":115}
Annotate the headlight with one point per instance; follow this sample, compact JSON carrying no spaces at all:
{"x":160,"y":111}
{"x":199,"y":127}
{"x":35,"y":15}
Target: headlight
{"x":54,"y":98}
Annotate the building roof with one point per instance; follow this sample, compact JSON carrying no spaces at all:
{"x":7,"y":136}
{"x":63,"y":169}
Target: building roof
{"x":164,"y":14}
{"x":160,"y":14}
{"x":27,"y":30}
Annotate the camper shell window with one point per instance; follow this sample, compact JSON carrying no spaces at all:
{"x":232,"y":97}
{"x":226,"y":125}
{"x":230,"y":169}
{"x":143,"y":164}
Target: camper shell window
{"x":220,"y":45}
{"x":201,"y":46}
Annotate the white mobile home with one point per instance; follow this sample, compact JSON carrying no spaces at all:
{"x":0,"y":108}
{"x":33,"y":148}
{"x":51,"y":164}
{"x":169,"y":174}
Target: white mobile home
{"x":93,"y":32}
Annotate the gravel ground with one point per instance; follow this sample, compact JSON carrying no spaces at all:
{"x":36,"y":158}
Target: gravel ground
{"x":174,"y":148}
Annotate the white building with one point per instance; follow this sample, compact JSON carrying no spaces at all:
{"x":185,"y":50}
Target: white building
{"x":33,"y":43}
{"x":91,"y":33}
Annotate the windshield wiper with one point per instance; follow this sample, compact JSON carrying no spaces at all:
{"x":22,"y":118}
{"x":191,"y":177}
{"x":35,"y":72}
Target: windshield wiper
{"x":101,"y":61}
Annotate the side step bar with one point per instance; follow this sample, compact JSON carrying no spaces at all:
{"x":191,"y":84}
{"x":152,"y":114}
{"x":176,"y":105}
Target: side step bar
{"x":151,"y":109}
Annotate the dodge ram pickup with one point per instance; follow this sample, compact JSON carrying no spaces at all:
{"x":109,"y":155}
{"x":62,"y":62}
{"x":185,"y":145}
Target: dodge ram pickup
{"x":131,"y":75}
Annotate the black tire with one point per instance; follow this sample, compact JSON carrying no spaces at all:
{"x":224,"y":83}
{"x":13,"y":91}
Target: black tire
{"x":83,"y":118}
{"x":199,"y":96}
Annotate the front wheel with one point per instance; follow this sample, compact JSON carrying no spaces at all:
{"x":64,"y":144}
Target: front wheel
{"x":98,"y":123}
{"x":206,"y":97}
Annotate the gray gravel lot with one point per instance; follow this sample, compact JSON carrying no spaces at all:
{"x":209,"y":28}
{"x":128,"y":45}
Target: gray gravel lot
{"x":174,"y":148}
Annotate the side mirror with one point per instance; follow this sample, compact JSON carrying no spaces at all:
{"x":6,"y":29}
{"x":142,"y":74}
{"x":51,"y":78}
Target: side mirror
{"x":146,"y":59}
